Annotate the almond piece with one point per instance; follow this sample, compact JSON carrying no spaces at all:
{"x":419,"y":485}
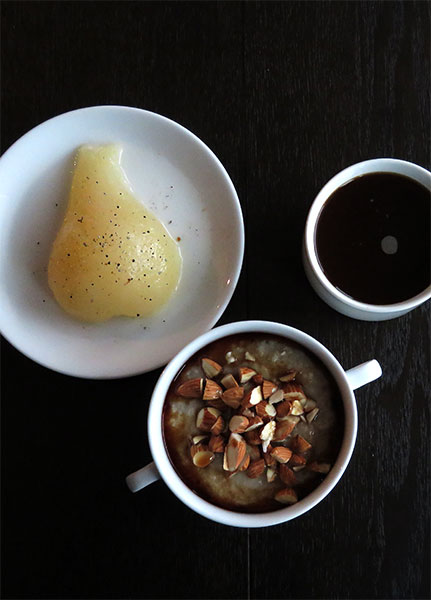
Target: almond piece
{"x":252,"y":397}
{"x":296,"y":460}
{"x":260,"y":410}
{"x":257,"y":379}
{"x":216,"y":444}
{"x":229,"y":358}
{"x":245,"y":374}
{"x":238,"y":424}
{"x":297,"y":408}
{"x":254,"y":423}
{"x":281,"y":454}
{"x":319,"y":467}
{"x":268,"y":388}
{"x":286,"y":496}
{"x":312,"y":415}
{"x":196,"y":439}
{"x":276,"y":397}
{"x":192,"y":388}
{"x":210,"y":367}
{"x":300,"y":444}
{"x":267,"y":434}
{"x":269,"y":460}
{"x":246,"y":412}
{"x":293,"y":391}
{"x":233,"y":396}
{"x":287,"y":476}
{"x":290,"y":375}
{"x":256,"y":468}
{"x":218,"y":426}
{"x":245,"y":463}
{"x":283,"y":408}
{"x":270,"y":475}
{"x":206,"y":418}
{"x":249,"y":357}
{"x":283,"y":429}
{"x":309,"y":405}
{"x":201,"y":456}
{"x":229,"y":381}
{"x":212,"y":390}
{"x":234,"y":451}
{"x":253,"y":437}
{"x":298,"y":468}
{"x":265,"y":410}
{"x":270,"y":410}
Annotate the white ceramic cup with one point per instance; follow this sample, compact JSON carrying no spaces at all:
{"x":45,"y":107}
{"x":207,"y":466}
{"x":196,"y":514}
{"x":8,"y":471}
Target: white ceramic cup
{"x":318,"y":280}
{"x":347,"y":381}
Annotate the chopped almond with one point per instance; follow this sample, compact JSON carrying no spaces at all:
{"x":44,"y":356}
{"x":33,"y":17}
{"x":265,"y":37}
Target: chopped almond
{"x":192,"y":388}
{"x":229,"y":381}
{"x":245,"y":463}
{"x":300,"y":445}
{"x":212,"y":390}
{"x":271,"y":475}
{"x":218,"y":426}
{"x":319,"y":467}
{"x":283,"y":408}
{"x":287,"y":476}
{"x":256,"y":468}
{"x":252,"y":397}
{"x":286,"y":496}
{"x":254,"y":423}
{"x":233,"y":396}
{"x":297,"y":460}
{"x":293,"y":391}
{"x":245,"y":374}
{"x":276,"y":397}
{"x":210,"y":367}
{"x":283,"y":429}
{"x":268,"y":388}
{"x":234,"y":451}
{"x":312,"y":415}
{"x":281,"y":454}
{"x":289,"y":376}
{"x":238,"y":424}
{"x":216,"y":444}
{"x":206,"y":418}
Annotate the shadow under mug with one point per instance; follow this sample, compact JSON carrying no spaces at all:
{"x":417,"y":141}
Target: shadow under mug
{"x":347,"y":382}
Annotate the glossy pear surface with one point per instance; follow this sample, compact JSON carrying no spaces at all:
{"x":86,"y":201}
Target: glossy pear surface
{"x":111,"y":256}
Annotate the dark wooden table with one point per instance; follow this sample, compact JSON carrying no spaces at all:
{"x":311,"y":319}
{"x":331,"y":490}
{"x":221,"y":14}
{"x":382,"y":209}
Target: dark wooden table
{"x":286,"y":94}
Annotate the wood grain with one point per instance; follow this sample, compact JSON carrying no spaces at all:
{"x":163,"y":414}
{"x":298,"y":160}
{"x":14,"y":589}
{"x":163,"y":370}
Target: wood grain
{"x":286,"y":94}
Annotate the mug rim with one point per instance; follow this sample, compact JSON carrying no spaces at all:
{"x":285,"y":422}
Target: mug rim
{"x":237,"y":518}
{"x":374,"y":165}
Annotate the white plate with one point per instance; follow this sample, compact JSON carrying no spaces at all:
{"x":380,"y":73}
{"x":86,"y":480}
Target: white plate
{"x":177,"y":177}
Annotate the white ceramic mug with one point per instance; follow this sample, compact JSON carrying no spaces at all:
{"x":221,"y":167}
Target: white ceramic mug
{"x":347,"y":381}
{"x":318,"y":280}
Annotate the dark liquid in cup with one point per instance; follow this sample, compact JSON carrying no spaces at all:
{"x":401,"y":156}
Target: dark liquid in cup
{"x":373,"y":238}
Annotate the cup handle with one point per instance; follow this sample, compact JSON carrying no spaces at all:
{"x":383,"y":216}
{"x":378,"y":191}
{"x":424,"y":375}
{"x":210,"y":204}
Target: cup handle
{"x":140,"y":479}
{"x":363,"y":374}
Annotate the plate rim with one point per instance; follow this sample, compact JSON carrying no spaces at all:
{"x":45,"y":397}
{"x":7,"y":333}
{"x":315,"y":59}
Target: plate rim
{"x":20,"y":346}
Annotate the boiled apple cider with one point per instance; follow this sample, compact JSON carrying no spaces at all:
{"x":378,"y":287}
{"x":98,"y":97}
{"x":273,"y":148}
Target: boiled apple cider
{"x":111,"y":256}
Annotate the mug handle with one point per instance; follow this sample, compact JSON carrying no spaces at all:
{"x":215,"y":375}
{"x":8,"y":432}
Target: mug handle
{"x":140,"y":479}
{"x":357,"y":377}
{"x":363,"y":374}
